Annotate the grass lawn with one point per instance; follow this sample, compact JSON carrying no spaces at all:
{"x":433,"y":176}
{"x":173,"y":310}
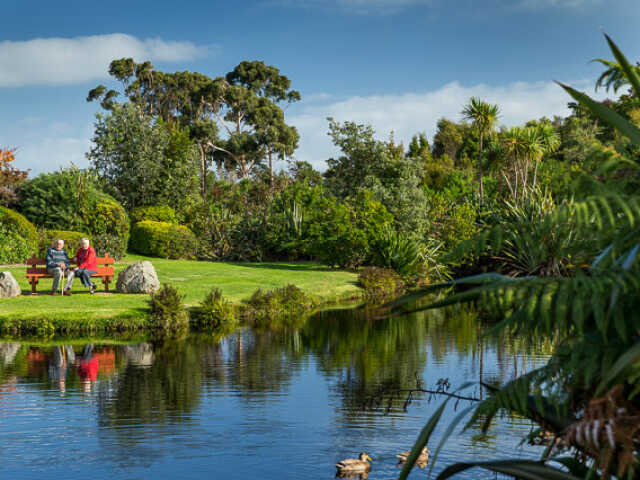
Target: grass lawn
{"x":194,"y":279}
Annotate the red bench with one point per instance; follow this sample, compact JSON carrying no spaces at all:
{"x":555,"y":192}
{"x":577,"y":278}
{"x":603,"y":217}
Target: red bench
{"x":37,"y":269}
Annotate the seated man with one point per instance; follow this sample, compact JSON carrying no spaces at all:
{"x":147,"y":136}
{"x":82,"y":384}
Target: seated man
{"x":57,"y":263}
{"x":87,"y":262}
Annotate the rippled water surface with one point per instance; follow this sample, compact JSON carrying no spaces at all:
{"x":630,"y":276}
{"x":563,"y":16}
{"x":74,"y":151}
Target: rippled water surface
{"x":281,"y":403}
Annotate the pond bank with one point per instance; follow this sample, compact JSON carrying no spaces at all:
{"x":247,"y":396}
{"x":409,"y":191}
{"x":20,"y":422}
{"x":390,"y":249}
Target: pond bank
{"x":114,"y":312}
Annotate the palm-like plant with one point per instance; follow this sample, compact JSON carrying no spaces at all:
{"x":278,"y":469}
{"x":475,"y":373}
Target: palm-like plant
{"x":588,"y":395}
{"x":613,"y":77}
{"x":484,"y":118}
{"x":525,"y":147}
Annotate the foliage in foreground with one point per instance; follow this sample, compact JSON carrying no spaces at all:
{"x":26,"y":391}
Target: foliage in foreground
{"x":213,"y":313}
{"x":380,"y":283}
{"x":588,"y":394}
{"x":167,"y":310}
{"x":287,"y":301}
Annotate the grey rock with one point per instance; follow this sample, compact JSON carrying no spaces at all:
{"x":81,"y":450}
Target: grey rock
{"x":9,"y":288}
{"x":8,"y":352}
{"x":140,"y":355}
{"x":140,"y":277}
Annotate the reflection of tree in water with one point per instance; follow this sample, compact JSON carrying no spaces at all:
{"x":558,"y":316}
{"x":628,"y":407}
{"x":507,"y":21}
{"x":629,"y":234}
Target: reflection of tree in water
{"x":163,"y":391}
{"x":367,"y":353}
{"x":264,"y":361}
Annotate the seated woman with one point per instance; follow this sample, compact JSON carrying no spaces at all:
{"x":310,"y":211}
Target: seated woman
{"x":87,"y":262}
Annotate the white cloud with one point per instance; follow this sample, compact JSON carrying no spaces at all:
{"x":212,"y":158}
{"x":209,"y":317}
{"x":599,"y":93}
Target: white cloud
{"x":409,"y":113}
{"x":64,"y":61}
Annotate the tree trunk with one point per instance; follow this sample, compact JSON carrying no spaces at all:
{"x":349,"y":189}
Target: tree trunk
{"x":203,"y":172}
{"x":270,"y":174}
{"x":480,"y":170}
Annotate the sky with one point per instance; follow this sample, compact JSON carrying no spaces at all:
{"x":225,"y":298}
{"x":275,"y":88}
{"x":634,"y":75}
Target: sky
{"x":398,"y":65}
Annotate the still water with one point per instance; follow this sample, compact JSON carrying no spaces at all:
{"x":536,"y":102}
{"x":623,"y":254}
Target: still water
{"x":283,"y":403}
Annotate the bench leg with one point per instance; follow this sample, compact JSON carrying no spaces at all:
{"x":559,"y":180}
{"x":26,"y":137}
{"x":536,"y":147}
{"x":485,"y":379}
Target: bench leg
{"x":33,"y":286}
{"x":106,"y":284}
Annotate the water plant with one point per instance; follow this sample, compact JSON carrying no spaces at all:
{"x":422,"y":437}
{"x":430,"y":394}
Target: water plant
{"x":167,"y":310}
{"x":213,"y":313}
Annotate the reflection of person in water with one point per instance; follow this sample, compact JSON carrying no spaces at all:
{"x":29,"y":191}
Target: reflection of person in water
{"x":88,"y":367}
{"x":59,"y":364}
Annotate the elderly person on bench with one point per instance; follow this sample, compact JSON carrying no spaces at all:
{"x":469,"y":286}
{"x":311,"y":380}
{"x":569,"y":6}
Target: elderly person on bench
{"x":87,"y":262}
{"x":57,"y":263}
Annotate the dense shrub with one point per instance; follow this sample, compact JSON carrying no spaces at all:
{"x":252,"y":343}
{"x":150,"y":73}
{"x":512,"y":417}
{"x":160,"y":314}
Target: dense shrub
{"x":15,"y":223}
{"x":13,"y":248}
{"x":59,"y":200}
{"x":109,"y":244}
{"x":71,"y":200}
{"x":399,"y":252}
{"x":162,"y":239}
{"x":162,"y":213}
{"x":280,"y":302}
{"x":340,"y":234}
{"x":380,"y":283}
{"x":110,"y":229}
{"x":72,"y":241}
{"x":167,"y":310}
{"x":213,"y":313}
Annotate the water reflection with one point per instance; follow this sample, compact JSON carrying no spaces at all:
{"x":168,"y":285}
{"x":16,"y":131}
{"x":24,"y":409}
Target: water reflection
{"x":256,"y":397}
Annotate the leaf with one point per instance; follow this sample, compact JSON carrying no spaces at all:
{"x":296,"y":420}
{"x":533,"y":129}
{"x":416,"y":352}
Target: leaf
{"x":424,"y":436}
{"x":629,"y":357}
{"x":422,"y":440}
{"x":605,"y":114}
{"x":454,"y":423}
{"x":521,"y":469}
{"x":624,"y":65}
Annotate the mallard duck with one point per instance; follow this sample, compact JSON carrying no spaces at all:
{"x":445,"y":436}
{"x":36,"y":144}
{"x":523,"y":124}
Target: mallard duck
{"x":354,"y":465}
{"x":422,"y":460}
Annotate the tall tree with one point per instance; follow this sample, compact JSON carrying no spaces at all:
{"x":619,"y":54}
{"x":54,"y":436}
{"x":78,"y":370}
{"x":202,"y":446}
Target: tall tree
{"x":484,"y":118}
{"x":235,"y":120}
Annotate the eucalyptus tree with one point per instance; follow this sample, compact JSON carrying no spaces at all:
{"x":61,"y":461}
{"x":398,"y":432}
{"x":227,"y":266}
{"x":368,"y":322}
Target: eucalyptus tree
{"x":484,"y":118}
{"x":235,"y":120}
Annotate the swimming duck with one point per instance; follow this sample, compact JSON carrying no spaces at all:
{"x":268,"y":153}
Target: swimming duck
{"x":354,"y":465}
{"x":422,"y":460}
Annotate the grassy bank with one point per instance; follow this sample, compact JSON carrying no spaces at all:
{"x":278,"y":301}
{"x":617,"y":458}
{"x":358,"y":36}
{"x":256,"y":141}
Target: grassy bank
{"x":115,"y":312}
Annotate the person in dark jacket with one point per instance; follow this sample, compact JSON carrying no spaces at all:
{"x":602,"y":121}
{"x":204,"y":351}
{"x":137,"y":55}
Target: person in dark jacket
{"x":57,"y":264}
{"x":87,"y":262}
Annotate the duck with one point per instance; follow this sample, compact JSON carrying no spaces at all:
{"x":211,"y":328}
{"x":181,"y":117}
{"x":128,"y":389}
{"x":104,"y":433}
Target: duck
{"x":422,"y":460}
{"x":350,"y":466}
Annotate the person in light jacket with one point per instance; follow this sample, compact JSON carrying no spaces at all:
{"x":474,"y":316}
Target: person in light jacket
{"x":57,"y":264}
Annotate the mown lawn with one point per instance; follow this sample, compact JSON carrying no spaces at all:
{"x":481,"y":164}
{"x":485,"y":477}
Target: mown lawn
{"x":194,"y":279}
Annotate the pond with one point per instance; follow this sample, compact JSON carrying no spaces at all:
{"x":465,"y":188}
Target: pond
{"x":285,"y":402}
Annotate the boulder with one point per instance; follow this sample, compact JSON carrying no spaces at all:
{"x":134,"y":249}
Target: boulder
{"x":140,"y":277}
{"x":9,"y":288}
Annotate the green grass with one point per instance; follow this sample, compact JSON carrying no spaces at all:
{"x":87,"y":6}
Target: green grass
{"x":194,"y":279}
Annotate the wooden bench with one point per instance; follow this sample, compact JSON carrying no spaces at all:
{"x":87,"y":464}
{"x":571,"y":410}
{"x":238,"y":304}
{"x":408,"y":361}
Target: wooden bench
{"x":37,"y":269}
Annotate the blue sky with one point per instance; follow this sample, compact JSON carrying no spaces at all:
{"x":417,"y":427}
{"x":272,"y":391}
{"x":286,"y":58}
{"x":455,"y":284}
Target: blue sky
{"x":397,"y":64}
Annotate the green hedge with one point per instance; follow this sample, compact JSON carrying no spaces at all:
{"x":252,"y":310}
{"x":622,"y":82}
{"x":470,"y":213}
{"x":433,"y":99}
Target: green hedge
{"x":13,"y":248}
{"x":72,"y":241}
{"x":110,"y":229}
{"x":71,"y":200}
{"x":162,"y":239}
{"x":15,"y":223}
{"x":160,"y":213}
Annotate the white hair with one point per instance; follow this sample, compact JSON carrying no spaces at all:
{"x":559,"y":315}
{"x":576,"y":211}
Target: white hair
{"x":58,"y":241}
{"x":85,"y":240}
